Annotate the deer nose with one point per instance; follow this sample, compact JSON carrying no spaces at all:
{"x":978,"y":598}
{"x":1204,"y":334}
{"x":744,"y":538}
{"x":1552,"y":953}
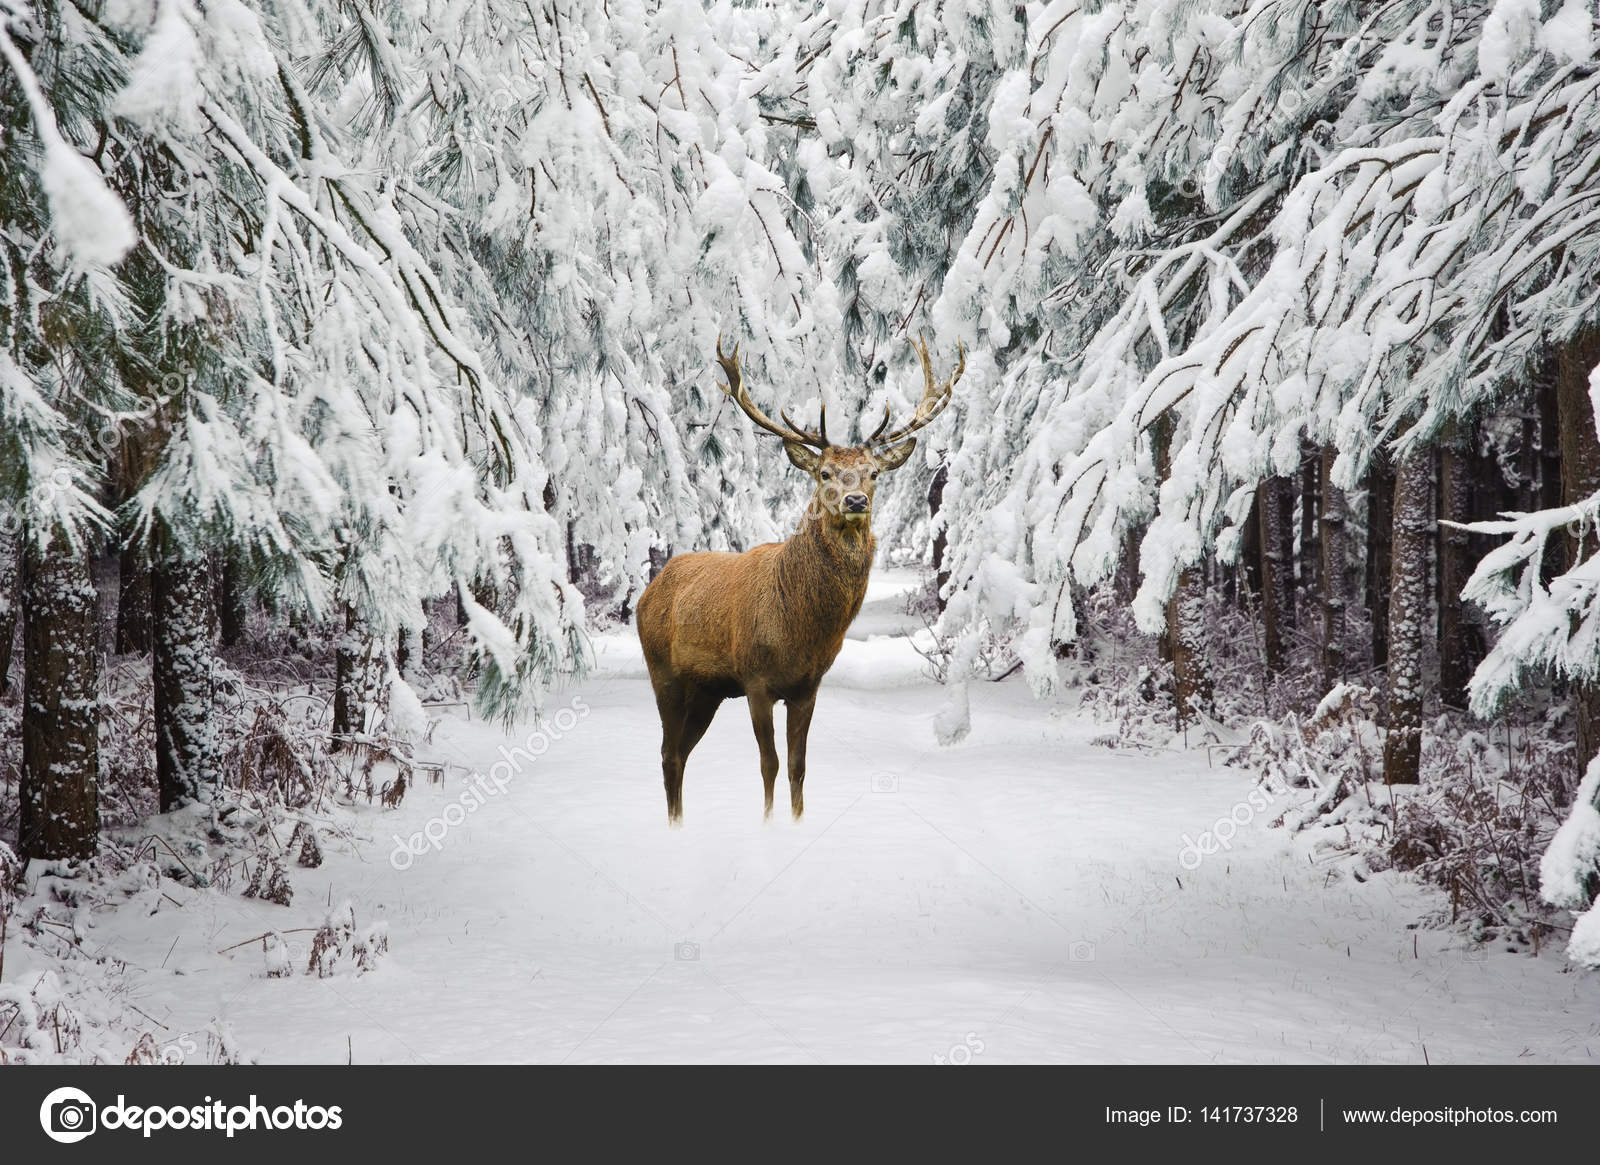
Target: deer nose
{"x":855,"y":503}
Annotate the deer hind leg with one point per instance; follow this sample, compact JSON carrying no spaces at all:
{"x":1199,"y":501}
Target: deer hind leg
{"x":761,"y":721}
{"x":699,"y":708}
{"x":799,"y":724}
{"x":686,"y":712}
{"x":670,"y":702}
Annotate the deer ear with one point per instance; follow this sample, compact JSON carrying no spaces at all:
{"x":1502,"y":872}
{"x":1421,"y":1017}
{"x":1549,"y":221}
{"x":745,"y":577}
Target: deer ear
{"x":895,"y":456}
{"x":803,"y":458}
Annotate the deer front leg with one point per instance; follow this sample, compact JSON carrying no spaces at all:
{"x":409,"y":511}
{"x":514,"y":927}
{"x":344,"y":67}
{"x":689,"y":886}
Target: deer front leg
{"x":761,"y":721}
{"x":799,"y":719}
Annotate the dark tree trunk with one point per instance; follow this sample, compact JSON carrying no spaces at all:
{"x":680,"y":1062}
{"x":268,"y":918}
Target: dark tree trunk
{"x":133,"y":603}
{"x":10,"y":596}
{"x":1191,"y":677}
{"x":1126,"y":581}
{"x":941,"y":568}
{"x":233,"y":601}
{"x":351,"y":657}
{"x":1380,"y":535}
{"x":1185,"y":636}
{"x":1458,"y":639}
{"x":1333,"y":574}
{"x":1580,"y":478}
{"x":1310,"y":462}
{"x":1550,"y":486}
{"x":1540,"y":470}
{"x":187,"y":757}
{"x":1274,"y":497}
{"x":59,"y":815}
{"x":1288,"y":612}
{"x":408,"y":653}
{"x":1408,"y":614}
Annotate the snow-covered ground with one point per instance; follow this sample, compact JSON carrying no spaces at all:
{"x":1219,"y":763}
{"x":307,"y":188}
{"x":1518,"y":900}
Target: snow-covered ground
{"x":1017,"y":897}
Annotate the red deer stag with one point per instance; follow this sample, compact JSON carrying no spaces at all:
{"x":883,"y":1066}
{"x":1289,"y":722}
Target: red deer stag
{"x":767,"y":624}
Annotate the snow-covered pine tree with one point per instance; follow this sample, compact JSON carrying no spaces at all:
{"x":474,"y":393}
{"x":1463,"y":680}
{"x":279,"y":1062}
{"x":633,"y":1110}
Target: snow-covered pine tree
{"x":60,"y":307}
{"x":339,"y":431}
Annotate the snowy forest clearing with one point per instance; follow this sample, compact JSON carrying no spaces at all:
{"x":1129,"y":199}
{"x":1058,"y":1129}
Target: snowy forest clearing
{"x":1014,"y":898}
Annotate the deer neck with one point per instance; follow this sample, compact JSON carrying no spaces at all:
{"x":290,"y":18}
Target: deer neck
{"x":824,"y":567}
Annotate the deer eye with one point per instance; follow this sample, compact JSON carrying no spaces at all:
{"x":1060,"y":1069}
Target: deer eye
{"x":826,"y":476}
{"x":874,"y":475}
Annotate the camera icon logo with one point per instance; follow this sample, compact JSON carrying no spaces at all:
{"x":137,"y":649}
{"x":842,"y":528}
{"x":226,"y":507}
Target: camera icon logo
{"x":686,"y":952}
{"x":1081,"y":952}
{"x":885,"y":783}
{"x":67,"y":1115}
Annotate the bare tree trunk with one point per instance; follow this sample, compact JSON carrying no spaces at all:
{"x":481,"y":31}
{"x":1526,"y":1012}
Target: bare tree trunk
{"x":1333,"y":572}
{"x":1549,"y":482}
{"x":1273,"y":499}
{"x":1380,"y":536}
{"x":10,"y":579}
{"x":941,"y":567}
{"x":1538,"y":482}
{"x":1184,"y":641}
{"x":133,"y":603}
{"x":1458,"y":640}
{"x":1191,"y":677}
{"x":233,"y":600}
{"x":1287,"y":613}
{"x":658,"y":558}
{"x":408,"y":653}
{"x":351,"y":680}
{"x":1310,"y":463}
{"x":1126,"y":581}
{"x":1580,"y":478}
{"x":1408,"y":613}
{"x":187,"y":751}
{"x":60,"y":786}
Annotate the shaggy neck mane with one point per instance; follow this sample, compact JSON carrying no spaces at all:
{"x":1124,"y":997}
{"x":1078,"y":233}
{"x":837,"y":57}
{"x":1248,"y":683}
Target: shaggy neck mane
{"x":822,"y":572}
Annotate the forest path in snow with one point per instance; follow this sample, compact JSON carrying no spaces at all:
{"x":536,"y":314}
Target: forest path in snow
{"x":1016,"y":897}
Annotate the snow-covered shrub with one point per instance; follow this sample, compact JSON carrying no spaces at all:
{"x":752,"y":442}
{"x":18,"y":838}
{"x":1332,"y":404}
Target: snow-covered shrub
{"x":339,"y":939}
{"x":303,"y":844}
{"x":270,"y":882}
{"x":1478,"y":824}
{"x":1475,"y":825}
{"x":278,"y":956}
{"x":1119,"y":671}
{"x":1336,"y":748}
{"x":992,"y":655}
{"x":38,"y":1024}
{"x":127,"y":743}
{"x":1126,"y":682}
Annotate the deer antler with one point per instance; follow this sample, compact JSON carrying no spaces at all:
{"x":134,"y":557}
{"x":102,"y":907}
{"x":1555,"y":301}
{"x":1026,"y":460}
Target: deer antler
{"x":934,"y":397}
{"x":789,"y":431}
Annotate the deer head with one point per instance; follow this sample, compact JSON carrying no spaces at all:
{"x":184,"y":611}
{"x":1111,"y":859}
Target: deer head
{"x":846,"y":476}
